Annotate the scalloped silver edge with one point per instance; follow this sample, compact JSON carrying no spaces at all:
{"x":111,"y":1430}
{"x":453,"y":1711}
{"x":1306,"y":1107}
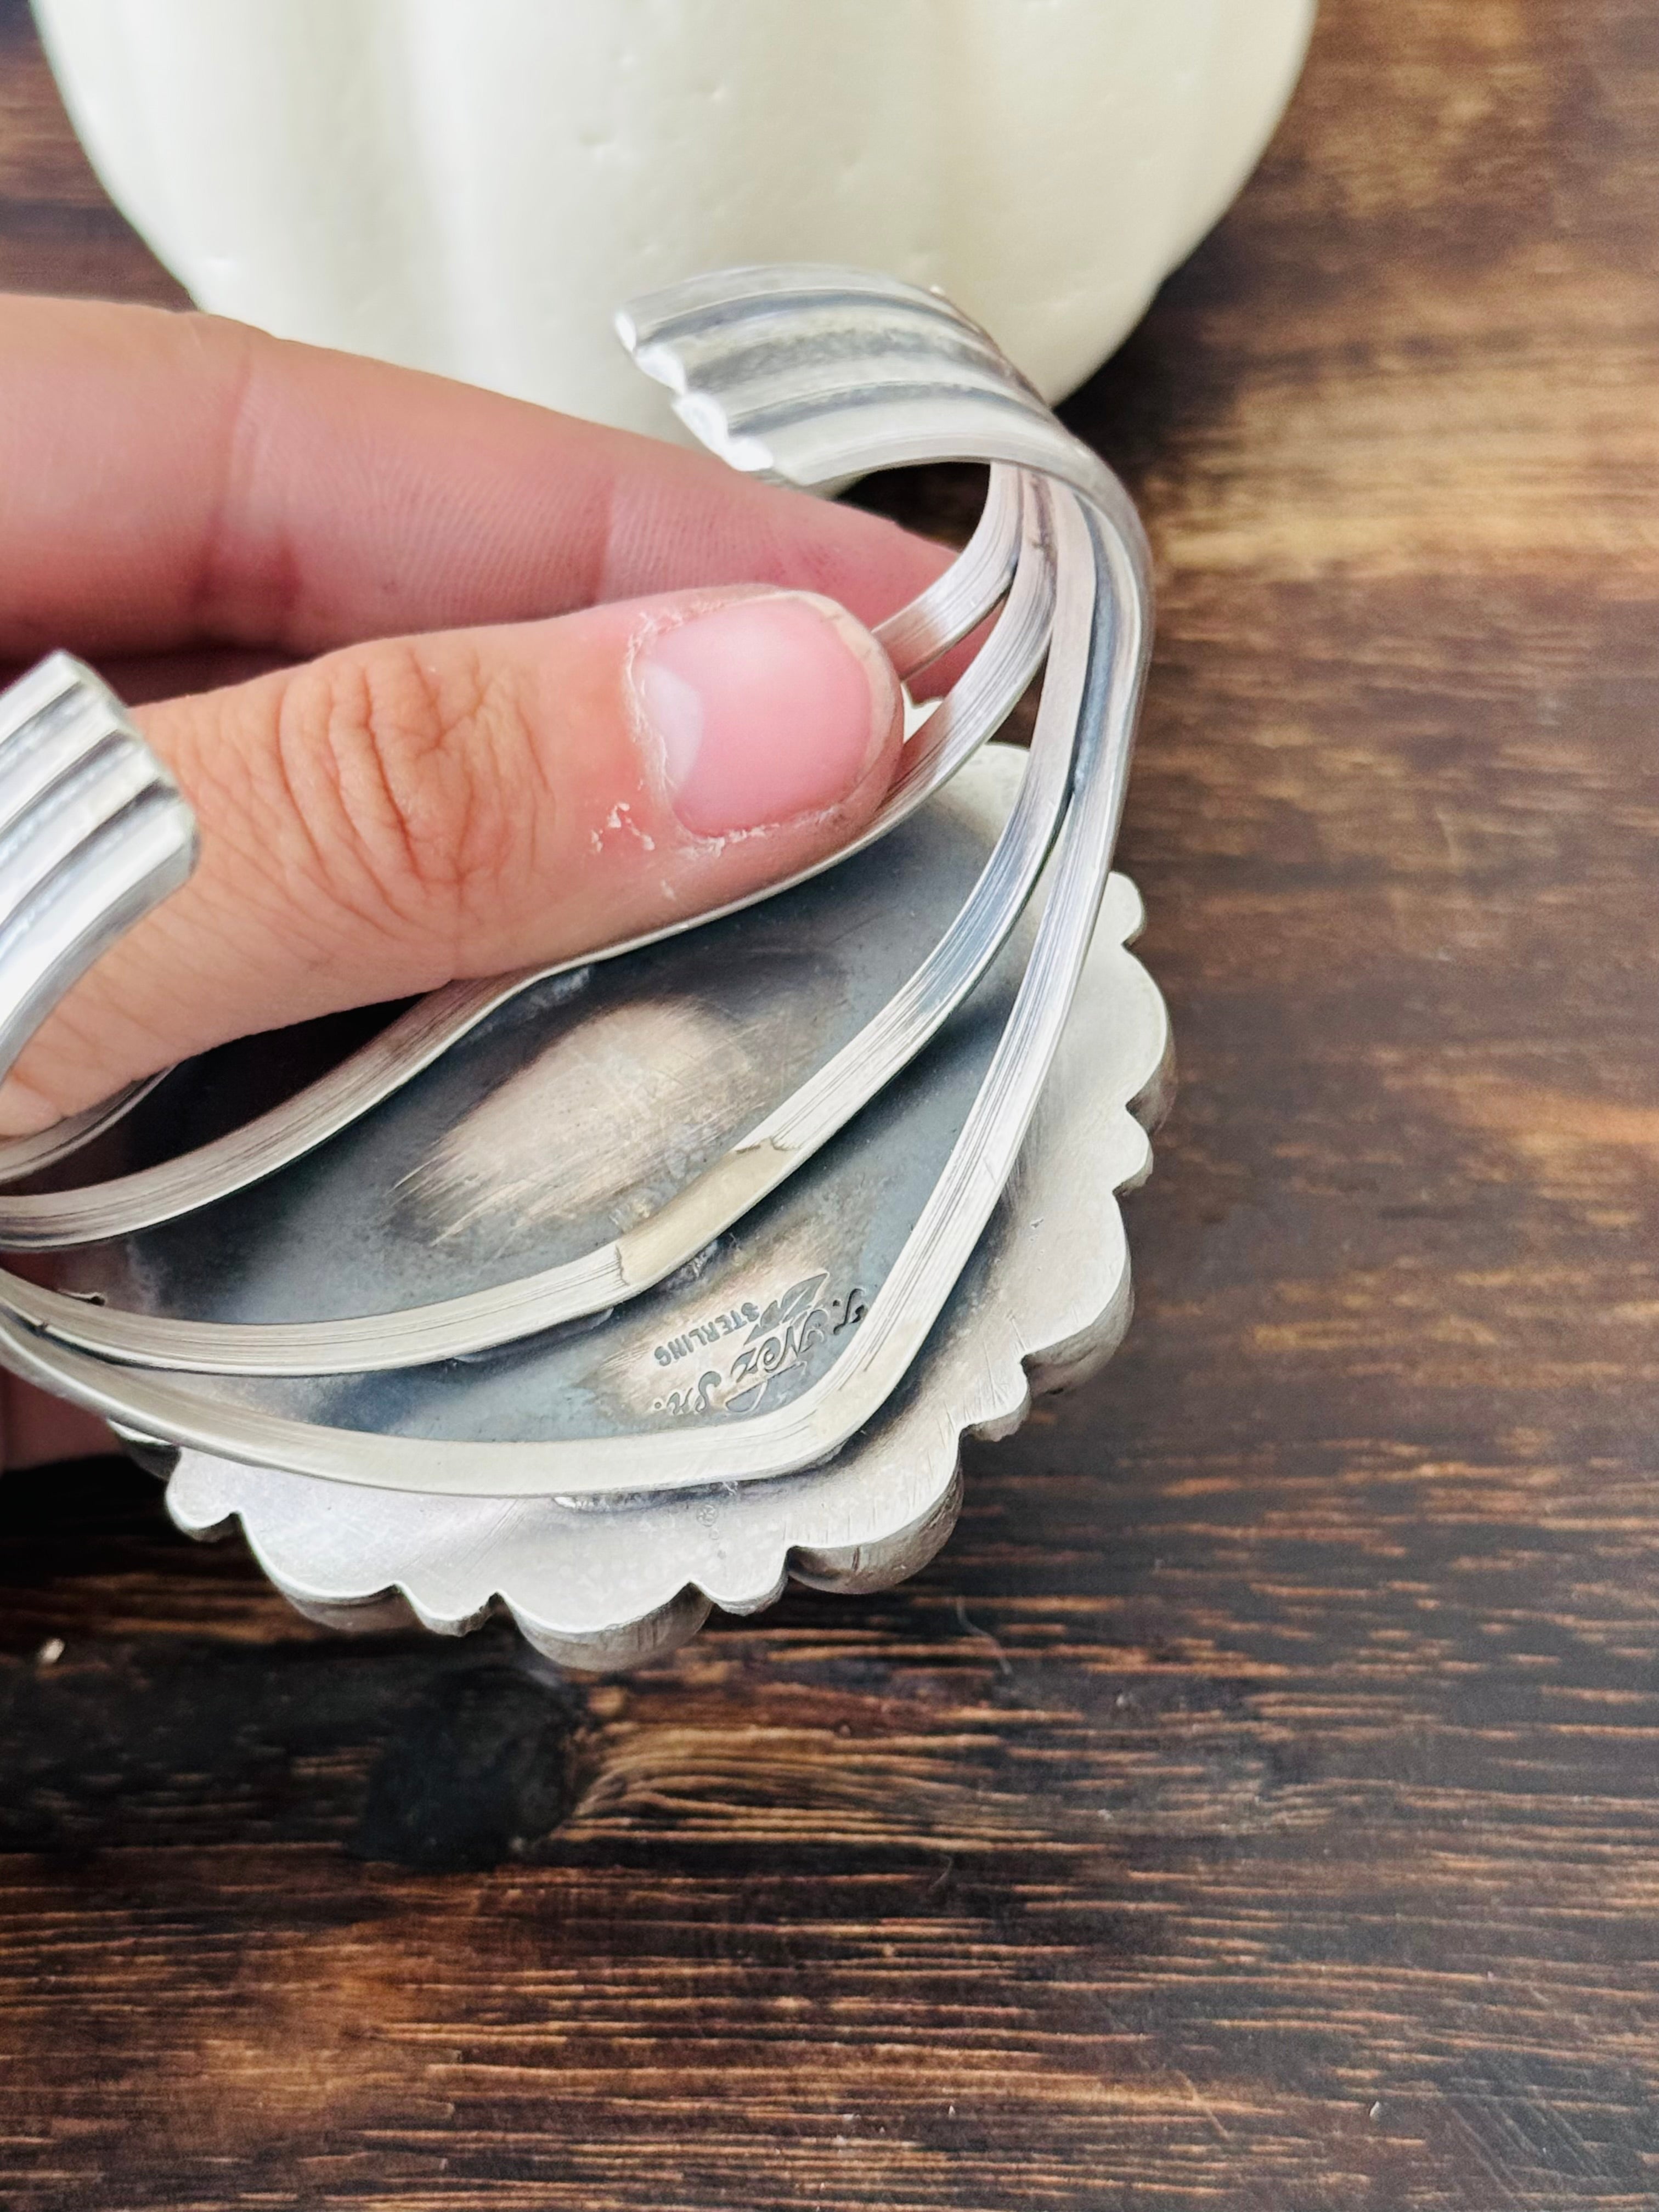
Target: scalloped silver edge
{"x":609,"y":1584}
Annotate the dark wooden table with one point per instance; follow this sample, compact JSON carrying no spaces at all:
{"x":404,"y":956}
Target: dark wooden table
{"x":1257,"y":1804}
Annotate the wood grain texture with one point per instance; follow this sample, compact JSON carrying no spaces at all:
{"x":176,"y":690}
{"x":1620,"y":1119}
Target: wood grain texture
{"x":1257,"y":1804}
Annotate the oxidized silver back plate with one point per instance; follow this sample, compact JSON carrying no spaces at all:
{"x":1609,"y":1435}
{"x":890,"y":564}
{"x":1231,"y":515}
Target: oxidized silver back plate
{"x":612,"y":1292}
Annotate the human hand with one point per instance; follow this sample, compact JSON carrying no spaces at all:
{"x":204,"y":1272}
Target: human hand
{"x":572,"y":683}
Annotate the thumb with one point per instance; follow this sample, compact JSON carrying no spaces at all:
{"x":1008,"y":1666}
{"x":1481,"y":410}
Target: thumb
{"x":401,"y":814}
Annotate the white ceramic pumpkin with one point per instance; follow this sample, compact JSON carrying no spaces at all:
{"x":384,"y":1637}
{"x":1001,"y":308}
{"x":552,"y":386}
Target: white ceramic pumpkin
{"x":472,"y":186}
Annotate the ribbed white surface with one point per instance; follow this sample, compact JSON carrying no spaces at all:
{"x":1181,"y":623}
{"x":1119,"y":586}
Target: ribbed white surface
{"x":472,"y":189}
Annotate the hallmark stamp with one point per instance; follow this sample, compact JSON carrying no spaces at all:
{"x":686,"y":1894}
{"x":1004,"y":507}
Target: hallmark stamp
{"x":779,"y":1336}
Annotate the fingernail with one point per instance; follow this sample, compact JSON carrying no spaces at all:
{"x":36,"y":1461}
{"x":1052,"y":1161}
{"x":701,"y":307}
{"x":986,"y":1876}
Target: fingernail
{"x":765,"y":709}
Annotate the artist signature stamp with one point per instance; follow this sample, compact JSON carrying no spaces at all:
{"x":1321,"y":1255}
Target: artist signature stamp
{"x":752,"y":1345}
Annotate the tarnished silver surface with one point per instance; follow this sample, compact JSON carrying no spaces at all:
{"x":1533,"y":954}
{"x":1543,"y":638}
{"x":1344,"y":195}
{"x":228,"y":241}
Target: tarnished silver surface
{"x":554,"y":1119}
{"x":750,"y":357}
{"x":1044,"y":1299}
{"x":699,"y":1193}
{"x":917,"y":637}
{"x":621,"y":1288}
{"x":578,"y":1111}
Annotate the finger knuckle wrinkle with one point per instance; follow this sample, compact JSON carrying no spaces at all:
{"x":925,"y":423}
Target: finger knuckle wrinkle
{"x":408,"y":755}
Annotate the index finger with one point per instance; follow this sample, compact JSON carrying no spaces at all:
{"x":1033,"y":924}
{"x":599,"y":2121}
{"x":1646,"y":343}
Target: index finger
{"x":170,"y":480}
